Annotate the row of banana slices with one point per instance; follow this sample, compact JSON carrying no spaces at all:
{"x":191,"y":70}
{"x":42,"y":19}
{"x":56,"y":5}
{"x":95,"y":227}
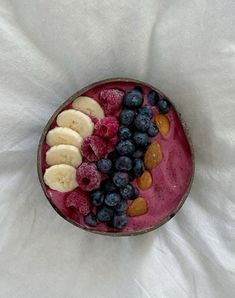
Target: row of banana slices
{"x":65,"y":142}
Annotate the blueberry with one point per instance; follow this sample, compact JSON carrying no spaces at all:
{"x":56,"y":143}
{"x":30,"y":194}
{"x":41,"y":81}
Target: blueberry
{"x":153,"y":130}
{"x":123,"y":163}
{"x":138,"y":167}
{"x":153,"y":98}
{"x":124,"y":133}
{"x":142,"y":123}
{"x":128,"y":192}
{"x":120,"y":221}
{"x":138,"y":88}
{"x":126,"y":117}
{"x":90,"y":220}
{"x":113,"y":155}
{"x":137,"y":154}
{"x":97,"y":197}
{"x":146,"y":111}
{"x":104,"y":165}
{"x":105,"y":214}
{"x":109,"y":186}
{"x":121,"y":206}
{"x":135,"y":192}
{"x":141,"y":139}
{"x":125,"y":147}
{"x":133,"y":99}
{"x":131,"y":176}
{"x":112,"y":199}
{"x":120,"y":179}
{"x":163,"y":106}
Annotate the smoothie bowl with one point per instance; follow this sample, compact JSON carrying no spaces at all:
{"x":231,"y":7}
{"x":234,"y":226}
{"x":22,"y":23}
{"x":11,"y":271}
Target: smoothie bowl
{"x":116,"y":158}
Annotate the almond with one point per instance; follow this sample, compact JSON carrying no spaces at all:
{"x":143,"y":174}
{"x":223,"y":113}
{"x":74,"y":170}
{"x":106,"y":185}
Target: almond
{"x":138,"y":207}
{"x":163,"y":124}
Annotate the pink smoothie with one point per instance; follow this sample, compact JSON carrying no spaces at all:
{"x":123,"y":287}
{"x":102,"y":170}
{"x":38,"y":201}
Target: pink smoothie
{"x":171,"y":178}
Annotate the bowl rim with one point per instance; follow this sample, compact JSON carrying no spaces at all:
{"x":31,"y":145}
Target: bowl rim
{"x":68,"y":101}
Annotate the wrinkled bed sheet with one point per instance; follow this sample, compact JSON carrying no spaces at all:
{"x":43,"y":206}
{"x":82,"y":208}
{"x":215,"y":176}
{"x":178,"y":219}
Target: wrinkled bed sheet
{"x":49,"y":50}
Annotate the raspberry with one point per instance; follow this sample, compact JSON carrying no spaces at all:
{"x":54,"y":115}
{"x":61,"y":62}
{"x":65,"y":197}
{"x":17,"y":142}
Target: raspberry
{"x":111,"y":100}
{"x":78,"y":200}
{"x":106,"y":127}
{"x":93,"y":148}
{"x":112,"y":144}
{"x":88,"y":178}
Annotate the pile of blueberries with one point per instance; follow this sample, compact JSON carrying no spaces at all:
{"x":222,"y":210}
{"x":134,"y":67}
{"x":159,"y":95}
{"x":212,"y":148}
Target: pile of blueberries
{"x":125,"y":163}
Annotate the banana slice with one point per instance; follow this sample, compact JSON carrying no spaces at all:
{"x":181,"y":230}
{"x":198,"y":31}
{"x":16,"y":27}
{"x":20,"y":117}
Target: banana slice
{"x":64,"y":154}
{"x":88,"y":106}
{"x":61,"y":178}
{"x":77,"y":121}
{"x":63,"y":135}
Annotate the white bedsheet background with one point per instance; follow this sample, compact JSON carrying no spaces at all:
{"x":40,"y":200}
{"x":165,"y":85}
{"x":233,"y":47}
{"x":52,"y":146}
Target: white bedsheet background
{"x":49,"y":50}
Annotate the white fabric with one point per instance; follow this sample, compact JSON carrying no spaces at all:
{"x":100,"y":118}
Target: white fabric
{"x":49,"y":50}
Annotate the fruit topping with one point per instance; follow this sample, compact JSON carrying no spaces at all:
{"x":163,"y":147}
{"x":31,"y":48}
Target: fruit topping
{"x":153,"y":98}
{"x":121,"y":207}
{"x":138,"y":167}
{"x":111,"y":100}
{"x":105,"y":214}
{"x":77,"y":121}
{"x":139,"y":88}
{"x":163,"y":106}
{"x":93,"y":148}
{"x":112,"y":199}
{"x":124,"y":133}
{"x":133,"y":99}
{"x":141,"y":139}
{"x":146,"y":111}
{"x":126,"y":117}
{"x":61,"y":178}
{"x":88,"y":178}
{"x":125,"y":147}
{"x":63,"y":135}
{"x":97,"y":197}
{"x":142,"y":123}
{"x":64,"y":154}
{"x":106,"y":127}
{"x":120,"y":221}
{"x":120,"y":179}
{"x":88,"y":106}
{"x":128,"y":192}
{"x":153,"y":130}
{"x":104,"y":165}
{"x":123,"y":163}
{"x":78,"y":200}
{"x":91,"y":220}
